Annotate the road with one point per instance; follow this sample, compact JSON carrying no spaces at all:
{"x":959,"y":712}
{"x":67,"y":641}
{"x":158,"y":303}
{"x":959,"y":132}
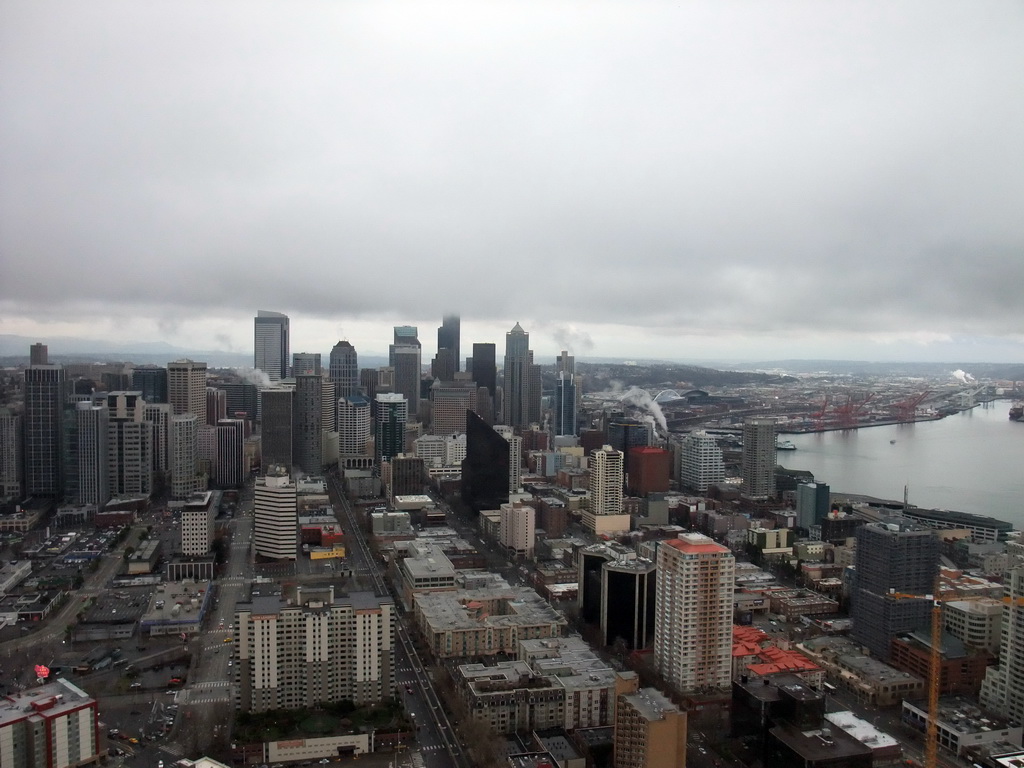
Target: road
{"x":436,"y":739}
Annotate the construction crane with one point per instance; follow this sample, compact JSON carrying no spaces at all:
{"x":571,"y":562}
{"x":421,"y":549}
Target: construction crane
{"x":931,"y":742}
{"x":906,"y":409}
{"x":850,"y":412}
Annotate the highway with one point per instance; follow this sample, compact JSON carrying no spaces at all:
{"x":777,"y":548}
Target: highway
{"x":436,"y":739}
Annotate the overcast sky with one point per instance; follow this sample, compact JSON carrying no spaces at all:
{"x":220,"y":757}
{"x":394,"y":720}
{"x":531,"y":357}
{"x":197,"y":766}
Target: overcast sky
{"x":629,"y":179}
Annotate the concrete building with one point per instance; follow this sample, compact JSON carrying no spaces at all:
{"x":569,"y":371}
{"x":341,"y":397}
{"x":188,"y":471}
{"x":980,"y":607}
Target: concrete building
{"x":693,"y":615}
{"x":1003,"y":688}
{"x":320,"y":647}
{"x":344,"y":369}
{"x":230,"y":469}
{"x":306,"y":364}
{"x":893,"y":555}
{"x":518,"y":529}
{"x":650,"y":731}
{"x":649,"y":470}
{"x":216,"y":405}
{"x":515,"y":456}
{"x":186,"y":388}
{"x":271,"y":344}
{"x":45,"y":393}
{"x":159,"y":415}
{"x":276,"y":515}
{"x":700,"y":462}
{"x":185,"y":478}
{"x":449,"y":402}
{"x":129,"y":446}
{"x":604,"y":512}
{"x":355,"y":431}
{"x":197,"y":525}
{"x":53,"y":725}
{"x":10,"y":455}
{"x":976,"y":623}
{"x":758,"y":459}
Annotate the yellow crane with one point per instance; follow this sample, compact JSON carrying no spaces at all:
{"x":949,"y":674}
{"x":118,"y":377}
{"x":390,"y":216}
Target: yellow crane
{"x":931,"y":742}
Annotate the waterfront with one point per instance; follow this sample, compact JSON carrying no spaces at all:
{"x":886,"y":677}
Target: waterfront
{"x":969,"y":462}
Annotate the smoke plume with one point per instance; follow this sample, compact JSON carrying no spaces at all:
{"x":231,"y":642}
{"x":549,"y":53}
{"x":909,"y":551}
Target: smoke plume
{"x":962,"y":376}
{"x":253,"y":376}
{"x":640,"y":398}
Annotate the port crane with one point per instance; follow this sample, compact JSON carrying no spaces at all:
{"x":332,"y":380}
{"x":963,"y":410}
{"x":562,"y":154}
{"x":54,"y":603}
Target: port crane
{"x":906,"y":409}
{"x":850,"y":412}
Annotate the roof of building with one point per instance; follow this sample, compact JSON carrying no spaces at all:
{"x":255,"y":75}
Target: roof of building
{"x":44,"y":701}
{"x":651,"y":703}
{"x":861,"y":730}
{"x":696,"y":544}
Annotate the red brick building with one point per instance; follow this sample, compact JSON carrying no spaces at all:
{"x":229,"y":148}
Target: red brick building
{"x":649,"y":470}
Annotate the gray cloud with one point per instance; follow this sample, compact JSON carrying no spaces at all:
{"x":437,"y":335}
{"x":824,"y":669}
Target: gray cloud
{"x":720,"y":169}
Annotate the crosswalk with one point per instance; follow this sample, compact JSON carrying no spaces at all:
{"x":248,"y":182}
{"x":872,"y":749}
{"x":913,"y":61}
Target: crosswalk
{"x":210,"y":698}
{"x":211,"y":684}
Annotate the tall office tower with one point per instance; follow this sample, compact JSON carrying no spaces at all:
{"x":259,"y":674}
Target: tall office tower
{"x":485,"y":470}
{"x":589,"y":563}
{"x":758,"y":462}
{"x":650,"y":469}
{"x":207,"y":450}
{"x":700,"y":462}
{"x":307,"y":427}
{"x":368,"y":380}
{"x":328,"y":418}
{"x":229,"y":471}
{"x":355,"y":425}
{"x":627,"y":602}
{"x":485,"y":371}
{"x":1002,"y":690}
{"x":54,"y":725}
{"x":693,"y":614}
{"x":515,"y":456}
{"x":449,"y":337}
{"x":517,"y":530}
{"x":276,"y":426}
{"x":565,"y":404}
{"x":242,"y":399}
{"x":813,"y":502}
{"x":185,"y":478}
{"x":45,"y":392}
{"x":69,"y":455}
{"x":38,"y":354}
{"x":516,"y":383}
{"x":606,"y":481}
{"x":448,"y":405}
{"x":344,"y":363}
{"x":565,"y":363}
{"x":306,"y":364}
{"x":272,"y":344}
{"x":389,"y":426}
{"x":442,"y":367}
{"x":406,"y":362}
{"x":650,"y":731}
{"x":151,"y":381}
{"x":186,"y":388}
{"x":317,"y":648}
{"x":116,"y":380}
{"x":406,"y":335}
{"x":93,"y":422}
{"x":893,"y":554}
{"x":10,"y":455}
{"x":276,"y":512}
{"x":197,"y":528}
{"x":159,"y":415}
{"x":534,"y":392}
{"x":216,"y":405}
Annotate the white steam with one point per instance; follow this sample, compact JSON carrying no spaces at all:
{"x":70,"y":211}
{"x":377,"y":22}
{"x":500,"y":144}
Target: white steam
{"x":640,"y":398}
{"x":253,"y":376}
{"x":962,"y":376}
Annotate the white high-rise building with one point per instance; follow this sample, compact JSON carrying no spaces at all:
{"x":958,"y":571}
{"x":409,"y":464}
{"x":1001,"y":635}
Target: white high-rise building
{"x":693,"y":613}
{"x":605,"y":481}
{"x":93,"y":422}
{"x":276,"y":512}
{"x":317,"y":648}
{"x":159,"y":415}
{"x":515,"y":456}
{"x":186,"y":388}
{"x":197,"y":526}
{"x":518,"y":529}
{"x":700,"y":461}
{"x":758,"y":461}
{"x":271,"y":344}
{"x":1002,"y":690}
{"x":130,"y":445}
{"x":355,"y":425}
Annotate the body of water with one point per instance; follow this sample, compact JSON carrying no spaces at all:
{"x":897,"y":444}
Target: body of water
{"x":970,"y":462}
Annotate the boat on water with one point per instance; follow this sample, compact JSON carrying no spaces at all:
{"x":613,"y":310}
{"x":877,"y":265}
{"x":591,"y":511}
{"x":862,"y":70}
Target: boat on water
{"x":892,"y":442}
{"x":784,"y":445}
{"x":1017,"y":412}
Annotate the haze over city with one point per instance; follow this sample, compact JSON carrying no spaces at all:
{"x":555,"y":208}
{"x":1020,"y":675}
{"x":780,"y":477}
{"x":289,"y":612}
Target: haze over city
{"x":706,"y":180}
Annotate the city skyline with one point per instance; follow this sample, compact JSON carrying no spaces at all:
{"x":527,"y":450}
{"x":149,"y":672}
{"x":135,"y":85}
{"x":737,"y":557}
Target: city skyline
{"x":714,"y":180}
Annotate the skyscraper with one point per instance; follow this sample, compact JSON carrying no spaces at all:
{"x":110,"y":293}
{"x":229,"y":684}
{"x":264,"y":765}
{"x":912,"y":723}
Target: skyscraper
{"x":389,"y":427}
{"x":185,"y":479}
{"x":485,"y":372}
{"x":45,"y":392}
{"x":1003,"y":687}
{"x":38,"y":354}
{"x":449,"y":403}
{"x":276,"y":525}
{"x":93,"y":444}
{"x":406,"y":359}
{"x":892,"y":555}
{"x":307,"y":427}
{"x":813,"y":501}
{"x":758,"y":462}
{"x":518,"y":359}
{"x":276,"y":426}
{"x":485,"y":470}
{"x":448,"y":337}
{"x":344,"y":365}
{"x":229,"y":471}
{"x":130,"y":445}
{"x":186,"y":388}
{"x":216,"y":405}
{"x":700,"y":461}
{"x":565,"y":404}
{"x":10,"y":455}
{"x":151,"y":381}
{"x":271,"y":344}
{"x":606,"y":481}
{"x":693,"y":616}
{"x":306,"y":364}
{"x":355,"y":426}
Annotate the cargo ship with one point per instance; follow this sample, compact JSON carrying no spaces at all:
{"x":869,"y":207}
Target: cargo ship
{"x":1017,"y":412}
